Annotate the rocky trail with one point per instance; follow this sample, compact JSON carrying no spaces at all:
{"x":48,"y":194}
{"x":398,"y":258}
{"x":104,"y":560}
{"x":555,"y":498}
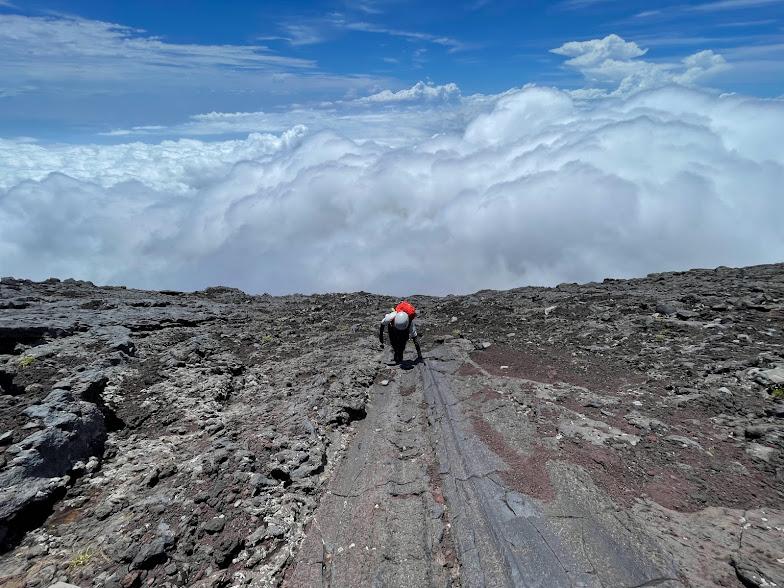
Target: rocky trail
{"x":384,"y":519}
{"x":627,"y":433}
{"x":381,"y":520}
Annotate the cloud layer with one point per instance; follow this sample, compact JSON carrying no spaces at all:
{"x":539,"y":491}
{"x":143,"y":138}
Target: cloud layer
{"x":173,"y":166}
{"x":533,"y":187}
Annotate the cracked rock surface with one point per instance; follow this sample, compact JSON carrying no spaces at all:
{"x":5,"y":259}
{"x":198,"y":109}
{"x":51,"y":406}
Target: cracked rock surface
{"x":624,"y":433}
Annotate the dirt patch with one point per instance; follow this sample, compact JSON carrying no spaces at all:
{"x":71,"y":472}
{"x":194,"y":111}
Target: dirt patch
{"x":677,"y":478}
{"x":484,"y":394}
{"x":714,"y":470}
{"x":65,"y":516}
{"x":550,"y":366}
{"x":469,"y":369}
{"x":609,"y":471}
{"x":407,"y":391}
{"x":681,"y":478}
{"x":525,"y":473}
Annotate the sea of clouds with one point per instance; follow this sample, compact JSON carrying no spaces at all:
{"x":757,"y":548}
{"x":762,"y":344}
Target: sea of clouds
{"x":532,"y":186}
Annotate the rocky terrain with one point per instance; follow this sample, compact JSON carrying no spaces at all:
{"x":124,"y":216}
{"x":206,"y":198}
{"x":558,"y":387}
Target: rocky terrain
{"x":624,"y":433}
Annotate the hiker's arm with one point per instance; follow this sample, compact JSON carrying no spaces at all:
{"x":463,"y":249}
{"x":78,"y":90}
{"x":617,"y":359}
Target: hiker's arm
{"x":381,"y":335}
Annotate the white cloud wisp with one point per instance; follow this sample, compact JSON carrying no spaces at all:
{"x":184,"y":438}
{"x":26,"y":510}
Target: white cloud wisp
{"x":65,"y":57}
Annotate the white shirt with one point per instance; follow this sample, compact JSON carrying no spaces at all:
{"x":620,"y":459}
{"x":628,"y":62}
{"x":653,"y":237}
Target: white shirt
{"x":391,"y":317}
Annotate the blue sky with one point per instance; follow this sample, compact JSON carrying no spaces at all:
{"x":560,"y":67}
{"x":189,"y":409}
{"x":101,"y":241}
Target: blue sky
{"x":75,"y":69}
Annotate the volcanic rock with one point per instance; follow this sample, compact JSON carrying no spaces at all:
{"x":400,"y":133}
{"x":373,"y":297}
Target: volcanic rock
{"x":622,"y":433}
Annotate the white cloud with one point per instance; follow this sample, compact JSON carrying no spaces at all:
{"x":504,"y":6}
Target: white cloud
{"x":614,"y":62}
{"x":674,"y":11}
{"x":453,"y":45}
{"x":699,"y":65}
{"x":303,"y":34}
{"x":323,"y":29}
{"x":532,"y":188}
{"x":366,"y":6}
{"x":732,"y":5}
{"x":763,"y":51}
{"x":595,"y":52}
{"x":418,"y":92}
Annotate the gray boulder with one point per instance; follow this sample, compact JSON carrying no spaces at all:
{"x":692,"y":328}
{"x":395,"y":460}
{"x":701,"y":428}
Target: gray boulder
{"x":74,"y":430}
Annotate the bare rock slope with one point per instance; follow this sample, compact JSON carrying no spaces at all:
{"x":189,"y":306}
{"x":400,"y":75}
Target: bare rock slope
{"x":627,"y":433}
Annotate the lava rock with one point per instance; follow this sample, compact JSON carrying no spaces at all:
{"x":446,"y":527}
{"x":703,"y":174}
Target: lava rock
{"x":214,"y":525}
{"x":150,"y":555}
{"x":226,"y":550}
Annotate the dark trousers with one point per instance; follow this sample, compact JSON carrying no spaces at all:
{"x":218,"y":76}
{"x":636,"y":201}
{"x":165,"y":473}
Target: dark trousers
{"x":398,"y":340}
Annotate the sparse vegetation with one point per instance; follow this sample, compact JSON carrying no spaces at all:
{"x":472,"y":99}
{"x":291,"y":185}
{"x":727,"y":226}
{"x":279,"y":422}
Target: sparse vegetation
{"x":81,"y":559}
{"x":26,"y":361}
{"x":777,"y":391}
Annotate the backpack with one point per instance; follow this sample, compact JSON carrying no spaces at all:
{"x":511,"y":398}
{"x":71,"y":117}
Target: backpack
{"x":408,"y":308}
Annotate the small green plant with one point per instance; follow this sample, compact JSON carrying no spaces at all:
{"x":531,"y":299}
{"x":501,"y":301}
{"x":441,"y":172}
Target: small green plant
{"x":777,"y":391}
{"x":26,"y":361}
{"x":81,"y":558}
{"x":266,"y":339}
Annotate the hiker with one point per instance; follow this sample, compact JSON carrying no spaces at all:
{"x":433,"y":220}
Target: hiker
{"x":400,"y":325}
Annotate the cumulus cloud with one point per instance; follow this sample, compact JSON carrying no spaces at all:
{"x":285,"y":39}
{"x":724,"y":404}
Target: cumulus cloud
{"x":615,"y":65}
{"x":593,"y":53}
{"x":418,"y":92}
{"x":533,"y":187}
